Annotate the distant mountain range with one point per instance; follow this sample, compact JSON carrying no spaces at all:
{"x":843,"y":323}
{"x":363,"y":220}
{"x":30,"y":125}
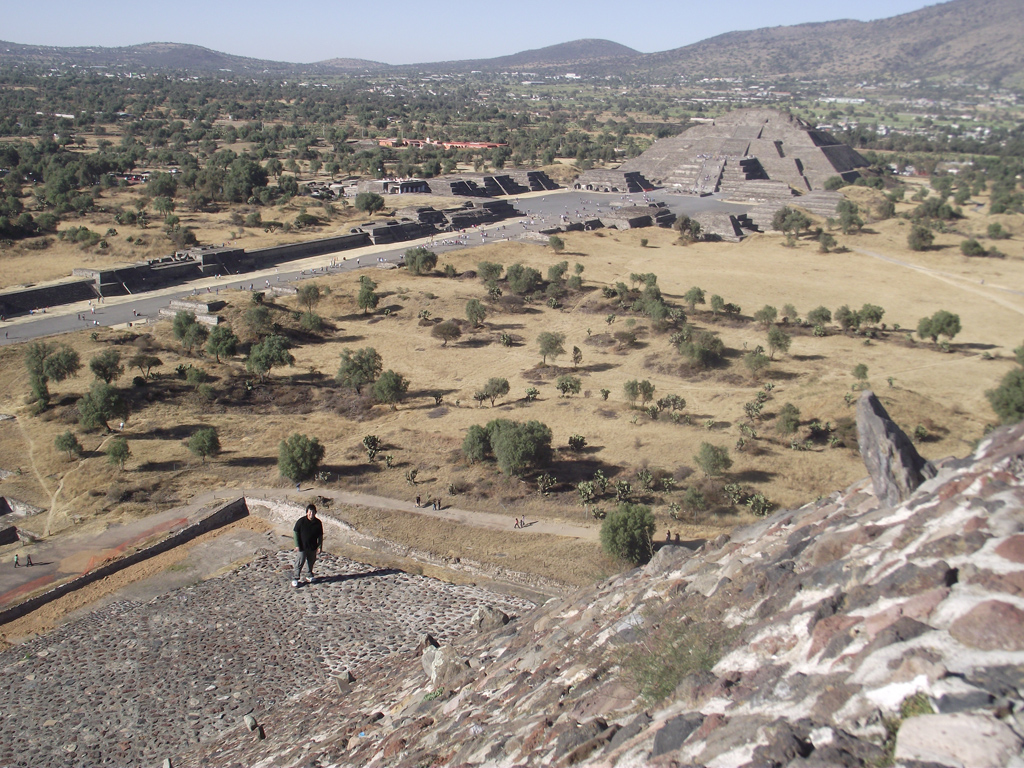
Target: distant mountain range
{"x":975,"y":41}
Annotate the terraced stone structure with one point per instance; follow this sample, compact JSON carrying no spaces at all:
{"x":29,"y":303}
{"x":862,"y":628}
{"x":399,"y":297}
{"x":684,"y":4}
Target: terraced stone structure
{"x":748,"y":155}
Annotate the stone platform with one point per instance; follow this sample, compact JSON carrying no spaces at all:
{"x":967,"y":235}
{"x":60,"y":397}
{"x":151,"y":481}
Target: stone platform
{"x":135,"y":683}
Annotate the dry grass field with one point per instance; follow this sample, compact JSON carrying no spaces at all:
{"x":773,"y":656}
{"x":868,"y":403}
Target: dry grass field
{"x":943,"y":392}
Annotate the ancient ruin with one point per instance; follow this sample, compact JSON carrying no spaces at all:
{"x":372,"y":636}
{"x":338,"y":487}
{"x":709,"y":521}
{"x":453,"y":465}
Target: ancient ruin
{"x":747,"y":155}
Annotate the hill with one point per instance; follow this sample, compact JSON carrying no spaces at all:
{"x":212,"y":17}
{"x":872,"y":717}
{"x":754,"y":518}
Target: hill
{"x":969,"y":41}
{"x":977,"y":41}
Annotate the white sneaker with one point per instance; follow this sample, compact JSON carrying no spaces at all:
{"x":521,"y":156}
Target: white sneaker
{"x":310,"y":579}
{"x":295,"y":582}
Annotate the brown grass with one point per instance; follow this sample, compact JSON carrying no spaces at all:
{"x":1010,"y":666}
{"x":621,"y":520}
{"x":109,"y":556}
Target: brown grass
{"x":942,"y":391}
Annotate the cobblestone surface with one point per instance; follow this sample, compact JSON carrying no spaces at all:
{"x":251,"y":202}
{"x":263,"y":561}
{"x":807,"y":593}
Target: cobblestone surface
{"x":135,"y":683}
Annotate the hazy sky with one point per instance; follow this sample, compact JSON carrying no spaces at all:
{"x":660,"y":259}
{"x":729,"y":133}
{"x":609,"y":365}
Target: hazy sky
{"x":403,"y":32}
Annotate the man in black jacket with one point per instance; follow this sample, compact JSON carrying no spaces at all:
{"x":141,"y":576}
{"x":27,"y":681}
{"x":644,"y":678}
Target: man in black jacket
{"x":309,"y":540}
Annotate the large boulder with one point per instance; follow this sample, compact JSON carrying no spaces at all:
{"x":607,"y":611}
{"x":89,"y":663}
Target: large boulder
{"x":895,"y":466}
{"x":443,"y":665}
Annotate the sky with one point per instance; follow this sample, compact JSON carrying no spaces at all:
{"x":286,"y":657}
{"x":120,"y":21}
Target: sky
{"x":405,"y":32}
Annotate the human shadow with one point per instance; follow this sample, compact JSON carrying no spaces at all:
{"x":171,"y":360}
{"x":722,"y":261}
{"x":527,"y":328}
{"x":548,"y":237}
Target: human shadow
{"x":343,"y":577}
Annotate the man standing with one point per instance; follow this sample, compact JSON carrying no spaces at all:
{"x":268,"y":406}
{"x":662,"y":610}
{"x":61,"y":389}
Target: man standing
{"x":309,"y":540}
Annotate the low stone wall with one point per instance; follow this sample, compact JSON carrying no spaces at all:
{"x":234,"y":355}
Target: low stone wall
{"x":24,"y":301}
{"x":228,"y":513}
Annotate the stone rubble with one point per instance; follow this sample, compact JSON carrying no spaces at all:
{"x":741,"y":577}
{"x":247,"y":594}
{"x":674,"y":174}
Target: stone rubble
{"x":854,"y":633}
{"x":848,"y":632}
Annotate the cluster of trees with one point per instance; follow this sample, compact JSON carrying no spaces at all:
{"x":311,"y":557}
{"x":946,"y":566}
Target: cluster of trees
{"x":517,"y":447}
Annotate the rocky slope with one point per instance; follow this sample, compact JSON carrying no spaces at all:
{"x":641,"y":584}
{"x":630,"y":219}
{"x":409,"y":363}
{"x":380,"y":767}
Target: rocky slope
{"x":847,"y":632}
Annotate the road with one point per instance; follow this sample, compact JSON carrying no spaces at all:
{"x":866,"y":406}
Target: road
{"x":542,"y":211}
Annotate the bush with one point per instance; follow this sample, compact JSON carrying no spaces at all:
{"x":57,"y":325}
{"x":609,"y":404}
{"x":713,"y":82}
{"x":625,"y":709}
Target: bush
{"x":204,"y":442}
{"x":920,"y":238}
{"x":118,"y":452}
{"x":390,"y":388}
{"x":942,"y":323}
{"x":420,"y":261}
{"x":369,"y":202}
{"x":299,"y":457}
{"x":68,"y":443}
{"x":789,"y":419}
{"x":972,"y":248}
{"x":516,"y":446}
{"x":712,"y":459}
{"x":1007,"y":399}
{"x":627,"y":533}
{"x":447,"y":331}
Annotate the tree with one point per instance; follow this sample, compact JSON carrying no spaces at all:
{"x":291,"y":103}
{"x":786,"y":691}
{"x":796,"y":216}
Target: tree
{"x":106,"y":366}
{"x":476,"y":312}
{"x":632,"y":390}
{"x":310,"y":295}
{"x":299,"y":457}
{"x":495,"y":388}
{"x":257,"y":320}
{"x":860,"y":372}
{"x":145,"y":362}
{"x":488,"y":271}
{"x":68,"y":443}
{"x":550,"y":344}
{"x":693,"y":297}
{"x":557,"y":244}
{"x":577,"y":357}
{"x":826,"y":242}
{"x":756,"y":362}
{"x":778,"y":340}
{"x":99,"y":405}
{"x":359,"y":367}
{"x":713,"y":460}
{"x":789,"y":419}
{"x":646,"y":392}
{"x":519,"y":446}
{"x":188,"y":330}
{"x":221,"y":342}
{"x":942,"y":323}
{"x":204,"y":442}
{"x":447,"y":331}
{"x":420,"y":261}
{"x":523,"y":280}
{"x":787,"y":220}
{"x":819,"y":316}
{"x":871,"y":313}
{"x":373,"y":445}
{"x":972,"y":247}
{"x":1007,"y":400}
{"x":568,"y":385}
{"x":627,"y":533}
{"x":264,"y":356}
{"x":920,"y":238}
{"x":367,"y":298}
{"x":48,"y":362}
{"x":369,"y":202}
{"x":848,"y":319}
{"x":703,"y":348}
{"x":118,"y":452}
{"x":849,"y":220}
{"x":390,"y":388}
{"x":717,"y":304}
{"x":766,"y":315}
{"x":476,"y":445}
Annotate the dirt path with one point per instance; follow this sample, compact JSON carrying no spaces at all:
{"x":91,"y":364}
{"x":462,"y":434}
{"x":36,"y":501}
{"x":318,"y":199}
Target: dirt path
{"x":954,"y":280}
{"x":453,"y":514}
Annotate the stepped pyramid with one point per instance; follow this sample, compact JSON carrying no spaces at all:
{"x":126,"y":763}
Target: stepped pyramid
{"x":749,"y":154}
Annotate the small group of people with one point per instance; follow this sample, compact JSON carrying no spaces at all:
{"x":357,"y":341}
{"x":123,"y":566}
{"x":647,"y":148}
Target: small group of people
{"x":28,"y":561}
{"x":520,"y":522}
{"x":434,"y":503}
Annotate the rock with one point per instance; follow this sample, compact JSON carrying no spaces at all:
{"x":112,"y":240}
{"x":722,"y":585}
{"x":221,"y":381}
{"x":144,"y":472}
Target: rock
{"x":675,"y":731}
{"x":487,"y":618}
{"x":1012,"y":549}
{"x":991,"y":626}
{"x":250,"y":723}
{"x":958,"y":739}
{"x":895,"y":466}
{"x":443,"y":665}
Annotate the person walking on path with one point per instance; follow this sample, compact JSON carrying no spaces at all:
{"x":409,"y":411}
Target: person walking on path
{"x":309,"y":541}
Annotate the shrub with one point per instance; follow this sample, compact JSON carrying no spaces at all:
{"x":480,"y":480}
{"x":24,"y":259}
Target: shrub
{"x":118,"y":452}
{"x":712,"y":459}
{"x":920,"y":238}
{"x":390,"y":388}
{"x":1007,"y":399}
{"x":942,"y":323}
{"x":568,"y":385}
{"x":68,"y":443}
{"x":627,"y":533}
{"x":447,"y":331}
{"x":577,"y":442}
{"x":359,"y":367}
{"x":789,"y":419}
{"x":420,"y":261}
{"x":299,"y":457}
{"x":204,"y":442}
{"x":972,"y":248}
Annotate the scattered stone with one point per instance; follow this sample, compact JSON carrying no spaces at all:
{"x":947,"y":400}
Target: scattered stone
{"x":487,"y":618}
{"x":674,"y":732}
{"x":993,"y":625}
